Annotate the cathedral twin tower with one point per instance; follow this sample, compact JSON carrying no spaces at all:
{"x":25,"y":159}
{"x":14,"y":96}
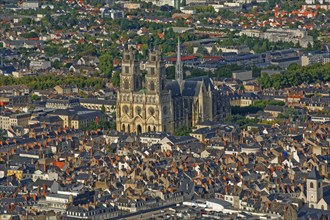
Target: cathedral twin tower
{"x":163,"y":105}
{"x":143,"y":109}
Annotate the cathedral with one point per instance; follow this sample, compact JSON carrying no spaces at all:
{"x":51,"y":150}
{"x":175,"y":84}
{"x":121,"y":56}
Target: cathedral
{"x":153,"y":103}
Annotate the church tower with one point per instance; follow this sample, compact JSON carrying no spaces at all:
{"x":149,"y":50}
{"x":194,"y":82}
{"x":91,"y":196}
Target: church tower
{"x":314,"y":188}
{"x":130,"y":82}
{"x":156,"y":76}
{"x":178,"y":65}
{"x":130,"y":77}
{"x":148,"y":109}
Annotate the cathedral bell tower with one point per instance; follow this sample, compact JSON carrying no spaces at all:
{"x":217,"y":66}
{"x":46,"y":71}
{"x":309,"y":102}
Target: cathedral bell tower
{"x":156,"y":76}
{"x":314,"y":188}
{"x":130,"y":76}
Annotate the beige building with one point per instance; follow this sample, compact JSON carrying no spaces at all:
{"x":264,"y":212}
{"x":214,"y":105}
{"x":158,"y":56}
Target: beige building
{"x":8,"y":121}
{"x":164,"y":105}
{"x":109,"y":106}
{"x":244,"y":99}
{"x":78,"y":117}
{"x":141,"y":110}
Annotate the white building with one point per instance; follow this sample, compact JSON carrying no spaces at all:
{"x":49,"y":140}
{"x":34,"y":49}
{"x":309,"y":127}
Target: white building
{"x":29,"y":5}
{"x":314,"y":189}
{"x":242,"y":75}
{"x":40,"y":64}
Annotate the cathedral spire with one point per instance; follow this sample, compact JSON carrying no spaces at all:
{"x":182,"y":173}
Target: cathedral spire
{"x":178,"y":65}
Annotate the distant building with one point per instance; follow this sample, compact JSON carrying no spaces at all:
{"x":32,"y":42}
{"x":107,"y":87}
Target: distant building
{"x":244,"y":99}
{"x":97,"y":104}
{"x":234,"y":49}
{"x":62,"y":103}
{"x":100,"y":211}
{"x":165,"y":105}
{"x":315,"y":197}
{"x":280,"y":34}
{"x":78,"y":117}
{"x":275,"y":110}
{"x":132,"y":6}
{"x":8,"y":121}
{"x":14,"y":95}
{"x":29,"y":4}
{"x":320,"y":118}
{"x":242,"y":75}
{"x":110,"y":13}
{"x":173,"y":3}
{"x":285,"y":62}
{"x":65,"y":90}
{"x":40,"y":64}
{"x":316,"y":57}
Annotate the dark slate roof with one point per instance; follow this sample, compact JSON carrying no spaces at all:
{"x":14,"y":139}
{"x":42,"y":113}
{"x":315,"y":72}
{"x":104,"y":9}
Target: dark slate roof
{"x":314,"y":174}
{"x":274,"y":108}
{"x":174,"y":87}
{"x":97,"y":101}
{"x":190,"y":88}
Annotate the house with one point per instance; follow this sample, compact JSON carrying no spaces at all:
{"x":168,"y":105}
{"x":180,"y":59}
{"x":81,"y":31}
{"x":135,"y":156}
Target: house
{"x":109,"y":106}
{"x":275,"y":110}
{"x":320,"y":118}
{"x":318,"y":196}
{"x":201,"y":134}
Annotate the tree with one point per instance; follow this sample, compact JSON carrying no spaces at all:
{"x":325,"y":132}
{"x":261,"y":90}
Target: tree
{"x":56,"y":64}
{"x":182,"y":131}
{"x":30,"y":35}
{"x":265,"y":81}
{"x":115,"y":79}
{"x":106,"y":64}
{"x":103,"y":108}
{"x":26,"y":21}
{"x":34,"y":97}
{"x":170,"y":72}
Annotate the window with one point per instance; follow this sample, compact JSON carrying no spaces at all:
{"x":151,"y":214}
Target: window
{"x":311,"y":185}
{"x":152,"y":86}
{"x":152,"y":70}
{"x":138,"y":110}
{"x":126,"y":84}
{"x":126,"y":69}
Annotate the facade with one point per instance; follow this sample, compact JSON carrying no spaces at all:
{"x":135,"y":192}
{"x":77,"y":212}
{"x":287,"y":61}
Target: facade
{"x":97,"y":104}
{"x":280,"y":34}
{"x":244,"y":99}
{"x":312,"y":58}
{"x":29,"y":5}
{"x":242,"y":75}
{"x":164,"y":105}
{"x":78,"y":117}
{"x":315,"y":196}
{"x":8,"y":121}
{"x":62,"y":103}
{"x":40,"y":64}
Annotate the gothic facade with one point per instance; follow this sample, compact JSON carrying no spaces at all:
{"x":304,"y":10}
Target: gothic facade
{"x":157,"y":104}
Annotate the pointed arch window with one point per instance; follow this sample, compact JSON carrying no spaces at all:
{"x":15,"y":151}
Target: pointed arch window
{"x":126,"y":84}
{"x":152,"y":86}
{"x":152,"y":70}
{"x":126,"y":69}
